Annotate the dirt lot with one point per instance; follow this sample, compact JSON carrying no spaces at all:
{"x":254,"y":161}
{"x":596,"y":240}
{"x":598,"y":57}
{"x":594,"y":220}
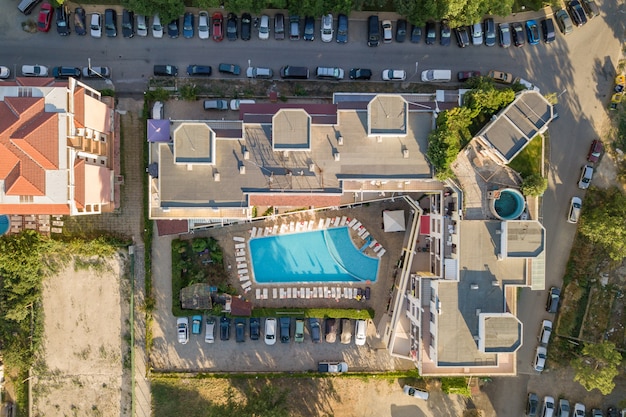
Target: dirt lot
{"x":83,"y":368}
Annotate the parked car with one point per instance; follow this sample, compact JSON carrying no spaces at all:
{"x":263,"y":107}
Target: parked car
{"x":110,"y":23}
{"x":316,"y":331}
{"x":34,"y":71}
{"x":490,"y":32}
{"x":246,"y":26}
{"x":346,"y":331}
{"x":173,"y":29}
{"x":224,"y":328}
{"x":229,"y":69}
{"x":45,"y":17}
{"x":563,"y":410}
{"x":401,"y":30}
{"x":591,"y":8}
{"x":196,"y":324}
{"x":596,"y":413}
{"x":360,"y":332}
{"x":96,"y":72}
{"x":128,"y":24}
{"x":285,"y":324}
{"x":466,"y":75}
{"x":462,"y":36}
{"x":157,"y":28}
{"x":182,"y":325}
{"x":209,"y":331}
{"x":532,"y":405}
{"x":309,"y":28}
{"x":553,"y":300}
{"x":548,"y":407}
{"x":387,"y":31}
{"x":505,"y":34}
{"x":258,"y":72}
{"x":540,"y":358}
{"x":579,"y":410}
{"x":477,"y":34}
{"x":188,"y":23}
{"x":270,"y":331}
{"x":80,"y":21}
{"x":564,"y":22}
{"x":532,"y":30}
{"x":332,"y":367}
{"x":199,"y":70}
{"x":394,"y":75}
{"x":330,"y":330}
{"x":298,"y":336}
{"x":444,"y":33}
{"x":431,"y":33}
{"x":215,"y":105}
{"x":158,"y":111}
{"x":95,"y":25}
{"x":416,"y":34}
{"x":264,"y":27}
{"x":595,"y":151}
{"x":255,"y":328}
{"x":63,"y":21}
{"x":585,"y":177}
{"x":240,"y":330}
{"x":547,"y":26}
{"x":294,"y":28}
{"x":415,"y":392}
{"x":65,"y":72}
{"x":231,"y":27}
{"x":577,"y":12}
{"x":326,"y":28}
{"x":329,"y":73}
{"x":518,"y":34}
{"x":575,"y":206}
{"x":5,"y":72}
{"x":203,"y":25}
{"x":501,"y":77}
{"x":360,"y":74}
{"x":373,"y":31}
{"x":611,"y":412}
{"x":165,"y":70}
{"x":218,"y":22}
{"x":142,"y":25}
{"x":279,"y":27}
{"x":435,"y":76}
{"x":546,"y":331}
{"x":342,"y":28}
{"x":235,"y":103}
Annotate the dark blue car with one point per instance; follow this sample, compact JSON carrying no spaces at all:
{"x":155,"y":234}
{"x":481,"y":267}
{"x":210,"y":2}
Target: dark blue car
{"x":342,"y":28}
{"x":188,"y":25}
{"x":532,"y":32}
{"x":173,"y":29}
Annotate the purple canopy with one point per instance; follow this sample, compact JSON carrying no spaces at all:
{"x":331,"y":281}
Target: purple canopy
{"x":158,"y":130}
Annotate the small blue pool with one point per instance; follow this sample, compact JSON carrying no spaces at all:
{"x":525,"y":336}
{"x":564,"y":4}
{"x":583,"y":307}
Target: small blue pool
{"x":4,"y":224}
{"x":311,"y":257}
{"x":509,"y":205}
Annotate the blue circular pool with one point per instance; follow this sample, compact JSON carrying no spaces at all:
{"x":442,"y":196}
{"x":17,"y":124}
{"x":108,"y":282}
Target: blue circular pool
{"x":4,"y":224}
{"x":509,"y":205}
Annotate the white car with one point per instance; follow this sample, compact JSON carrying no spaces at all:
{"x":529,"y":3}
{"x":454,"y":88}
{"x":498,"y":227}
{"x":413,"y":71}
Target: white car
{"x":270,"y":331}
{"x":203,"y":25}
{"x":585,"y":177}
{"x":327,"y":28}
{"x":540,"y":359}
{"x":234,"y":103}
{"x":415,"y":392}
{"x":477,"y":34}
{"x":387,"y":35}
{"x":574,"y":210}
{"x":157,"y":110}
{"x":142,"y":25}
{"x":258,"y":72}
{"x":182,"y":324}
{"x":579,"y":410}
{"x":548,"y":407}
{"x":5,"y":72}
{"x":546,"y":331}
{"x":96,"y":72}
{"x":360,"y":333}
{"x":157,"y":29}
{"x":95,"y":26}
{"x":34,"y":71}
{"x":209,"y":333}
{"x":264,"y":27}
{"x":394,"y":75}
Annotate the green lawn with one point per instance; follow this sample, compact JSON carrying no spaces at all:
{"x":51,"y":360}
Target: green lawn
{"x":528,"y":162}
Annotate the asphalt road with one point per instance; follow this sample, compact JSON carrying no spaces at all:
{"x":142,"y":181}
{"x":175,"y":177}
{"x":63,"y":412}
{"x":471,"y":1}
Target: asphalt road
{"x":579,"y":67}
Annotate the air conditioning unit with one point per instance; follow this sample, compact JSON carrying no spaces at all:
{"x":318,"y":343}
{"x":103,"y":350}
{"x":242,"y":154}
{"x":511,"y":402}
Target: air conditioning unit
{"x":80,"y":131}
{"x":88,"y":133}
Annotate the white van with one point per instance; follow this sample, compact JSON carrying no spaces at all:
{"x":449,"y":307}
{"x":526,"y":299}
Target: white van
{"x":360,"y":333}
{"x":27,"y":6}
{"x":270,"y":331}
{"x":436,"y":76}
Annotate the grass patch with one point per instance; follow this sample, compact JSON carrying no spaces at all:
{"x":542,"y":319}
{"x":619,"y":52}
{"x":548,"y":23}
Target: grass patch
{"x":364,"y":314}
{"x":528,"y":162}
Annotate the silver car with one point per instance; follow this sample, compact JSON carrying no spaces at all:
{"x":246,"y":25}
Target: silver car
{"x":203,"y":25}
{"x":327,"y":28}
{"x":34,"y":71}
{"x":477,"y":34}
{"x":585,"y":177}
{"x":574,"y":210}
{"x":142,"y":25}
{"x":157,"y":29}
{"x":95,"y":25}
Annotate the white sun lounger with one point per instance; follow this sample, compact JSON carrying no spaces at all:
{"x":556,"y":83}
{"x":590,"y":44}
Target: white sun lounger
{"x":274,"y":293}
{"x":333,"y":292}
{"x":253,"y":232}
{"x":246,"y":284}
{"x":242,"y":271}
{"x":356,"y":226}
{"x":265,"y":296}
{"x":295,"y":293}
{"x":240,"y":259}
{"x":326,"y":292}
{"x":238,"y":239}
{"x":240,"y":253}
{"x":288,"y":292}
{"x":242,"y":265}
{"x":283,"y":228}
{"x":258,"y":293}
{"x":240,"y":246}
{"x":266,"y":231}
{"x":336,"y":221}
{"x":243,"y":278}
{"x":302,"y":293}
{"x":373,"y":243}
{"x":314,"y":292}
{"x":320,"y":225}
{"x":327,"y":223}
{"x":343,"y":221}
{"x":361,"y":231}
{"x":298,"y":226}
{"x":247,"y":290}
{"x":275,"y":229}
{"x":352,"y":222}
{"x":381,"y":253}
{"x":320,"y":292}
{"x":365,"y":235}
{"x":292,"y":227}
{"x":311,"y":224}
{"x":377,"y":247}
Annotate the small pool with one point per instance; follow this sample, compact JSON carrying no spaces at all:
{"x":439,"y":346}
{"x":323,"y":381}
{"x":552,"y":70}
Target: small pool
{"x":311,"y":257}
{"x":4,"y":224}
{"x":509,"y":205}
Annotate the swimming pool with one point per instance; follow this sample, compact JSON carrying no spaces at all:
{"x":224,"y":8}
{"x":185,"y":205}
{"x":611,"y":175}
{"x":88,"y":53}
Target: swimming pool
{"x":318,"y":256}
{"x":4,"y":224}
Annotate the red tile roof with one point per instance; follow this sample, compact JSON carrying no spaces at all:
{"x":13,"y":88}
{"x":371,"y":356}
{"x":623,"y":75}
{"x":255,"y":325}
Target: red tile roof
{"x":172,"y":227}
{"x":52,"y":209}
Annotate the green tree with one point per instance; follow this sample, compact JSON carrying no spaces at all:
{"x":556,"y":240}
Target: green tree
{"x":167,"y":10}
{"x":597,"y":367}
{"x":603,"y":222}
{"x":534,"y":185}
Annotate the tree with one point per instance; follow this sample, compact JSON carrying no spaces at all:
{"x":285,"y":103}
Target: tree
{"x":534,"y":185}
{"x":597,"y":367}
{"x":603,"y":222}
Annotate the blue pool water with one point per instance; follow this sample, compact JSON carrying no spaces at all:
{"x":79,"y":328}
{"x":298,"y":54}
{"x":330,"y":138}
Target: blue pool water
{"x":317,"y":256}
{"x":4,"y":224}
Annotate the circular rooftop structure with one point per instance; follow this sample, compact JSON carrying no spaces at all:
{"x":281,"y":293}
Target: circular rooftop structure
{"x":507,"y":204}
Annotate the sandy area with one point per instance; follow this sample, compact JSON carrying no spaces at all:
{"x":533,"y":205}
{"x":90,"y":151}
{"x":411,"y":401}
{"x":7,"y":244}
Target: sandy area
{"x":84,"y":368}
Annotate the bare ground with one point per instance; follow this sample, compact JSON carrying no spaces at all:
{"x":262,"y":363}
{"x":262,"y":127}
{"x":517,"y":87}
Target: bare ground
{"x":82,"y":369}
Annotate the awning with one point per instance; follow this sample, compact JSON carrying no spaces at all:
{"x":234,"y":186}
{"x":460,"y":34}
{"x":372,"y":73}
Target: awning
{"x":394,"y":221}
{"x":158,"y":130}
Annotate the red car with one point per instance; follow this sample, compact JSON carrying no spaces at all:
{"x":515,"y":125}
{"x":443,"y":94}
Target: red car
{"x":218,"y":24}
{"x":45,"y":17}
{"x":595,"y":151}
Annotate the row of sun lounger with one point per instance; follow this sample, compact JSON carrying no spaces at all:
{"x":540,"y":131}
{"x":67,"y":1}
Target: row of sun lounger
{"x":315,"y":292}
{"x":242,"y":264}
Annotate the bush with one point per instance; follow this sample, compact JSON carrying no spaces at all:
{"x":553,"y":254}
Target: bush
{"x":534,"y":185}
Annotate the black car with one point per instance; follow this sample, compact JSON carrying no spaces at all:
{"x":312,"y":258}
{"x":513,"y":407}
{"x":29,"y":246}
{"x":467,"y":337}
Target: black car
{"x":240,"y":330}
{"x":246,"y":26}
{"x":591,"y":8}
{"x":285,"y":324}
{"x":444,"y":33}
{"x":431,"y":33}
{"x":224,"y":328}
{"x":110,"y":23}
{"x":416,"y":34}
{"x":63,"y":21}
{"x":553,"y":300}
{"x":128,"y":24}
{"x":547,"y":26}
{"x":65,"y":72}
{"x":463,"y":76}
{"x":517,"y":30}
{"x":165,"y":70}
{"x":532,"y":405}
{"x":231,"y":27}
{"x":612,"y":412}
{"x":401,"y":30}
{"x":360,"y":74}
{"x":255,"y":328}
{"x":342,"y":28}
{"x":316,"y":330}
{"x":232,"y":69}
{"x":80,"y":21}
{"x":489,"y":29}
{"x":173,"y":29}
{"x":462,"y":36}
{"x":309,"y":28}
{"x":577,"y":13}
{"x":199,"y":70}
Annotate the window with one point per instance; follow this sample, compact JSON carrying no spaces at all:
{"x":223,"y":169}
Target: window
{"x":432,"y":317}
{"x":432,"y":340}
{"x":26,"y":199}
